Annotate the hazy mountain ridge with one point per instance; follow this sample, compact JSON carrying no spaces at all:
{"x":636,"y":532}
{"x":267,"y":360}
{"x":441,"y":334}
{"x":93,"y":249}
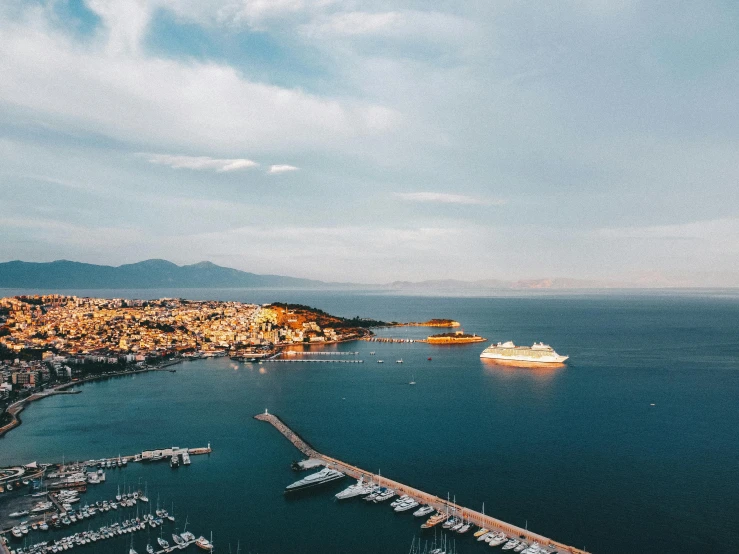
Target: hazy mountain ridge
{"x":155,"y":273}
{"x":64,"y":274}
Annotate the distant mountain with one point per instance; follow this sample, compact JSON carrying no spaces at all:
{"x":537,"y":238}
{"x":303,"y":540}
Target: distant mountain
{"x":149,"y":274}
{"x":63,"y":274}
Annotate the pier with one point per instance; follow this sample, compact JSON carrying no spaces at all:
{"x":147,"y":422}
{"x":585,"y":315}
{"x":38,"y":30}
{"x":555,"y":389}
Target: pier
{"x":390,"y":339}
{"x":439,"y":504}
{"x":303,"y":361}
{"x":309,"y":353}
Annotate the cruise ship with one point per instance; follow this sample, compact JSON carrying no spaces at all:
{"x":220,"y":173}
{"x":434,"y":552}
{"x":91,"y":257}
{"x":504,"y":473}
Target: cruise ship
{"x":326,"y":475}
{"x":538,"y":353}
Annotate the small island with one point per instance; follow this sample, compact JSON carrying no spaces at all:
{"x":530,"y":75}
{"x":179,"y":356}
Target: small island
{"x":433,"y":323}
{"x":458,"y":337}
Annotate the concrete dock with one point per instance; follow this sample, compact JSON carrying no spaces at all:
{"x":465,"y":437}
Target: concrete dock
{"x":304,"y":361}
{"x":441,"y":505}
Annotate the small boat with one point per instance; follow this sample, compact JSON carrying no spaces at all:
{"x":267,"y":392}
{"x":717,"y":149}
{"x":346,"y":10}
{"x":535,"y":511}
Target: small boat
{"x":164,"y":544}
{"x":480,"y":532}
{"x":174,"y":461}
{"x":400,"y":361}
{"x":511,"y":544}
{"x":21,"y":513}
{"x":204,"y":543}
{"x":380,"y":362}
{"x":429,"y":359}
{"x":423,"y":510}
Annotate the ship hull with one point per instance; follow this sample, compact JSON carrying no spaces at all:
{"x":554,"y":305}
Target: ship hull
{"x":544,"y":360}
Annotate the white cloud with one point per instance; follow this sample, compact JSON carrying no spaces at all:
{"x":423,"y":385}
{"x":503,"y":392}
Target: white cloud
{"x":110,"y":88}
{"x":402,"y":24}
{"x":282,"y":168}
{"x":201,"y":162}
{"x":447,"y":198}
{"x":717,"y":233}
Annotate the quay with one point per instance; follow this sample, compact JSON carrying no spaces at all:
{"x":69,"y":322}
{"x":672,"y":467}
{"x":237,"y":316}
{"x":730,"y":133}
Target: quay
{"x":439,"y":504}
{"x":314,"y":361}
{"x":390,"y":339}
{"x":309,"y":353}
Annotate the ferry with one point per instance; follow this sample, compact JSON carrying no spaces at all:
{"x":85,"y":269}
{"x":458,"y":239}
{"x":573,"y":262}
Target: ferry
{"x":538,"y":353}
{"x":324,"y":476}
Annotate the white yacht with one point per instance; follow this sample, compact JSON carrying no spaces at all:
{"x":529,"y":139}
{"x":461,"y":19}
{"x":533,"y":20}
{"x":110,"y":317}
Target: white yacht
{"x":405,"y":506}
{"x":422,"y":511}
{"x":498,"y":539}
{"x":357,"y":489}
{"x":326,"y":475}
{"x":511,"y":544}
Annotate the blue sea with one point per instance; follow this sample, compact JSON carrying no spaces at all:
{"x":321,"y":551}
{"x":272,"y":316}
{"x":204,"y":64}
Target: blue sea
{"x":632,"y":447}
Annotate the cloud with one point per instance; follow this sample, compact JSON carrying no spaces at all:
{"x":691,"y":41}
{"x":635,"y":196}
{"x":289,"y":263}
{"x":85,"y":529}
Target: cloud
{"x":447,"y":198}
{"x":282,"y":168}
{"x":111,"y":88}
{"x":714,"y":232}
{"x":203,"y":162}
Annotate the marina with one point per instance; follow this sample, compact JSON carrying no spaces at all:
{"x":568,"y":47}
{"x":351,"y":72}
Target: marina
{"x":446,"y":511}
{"x":63,"y":484}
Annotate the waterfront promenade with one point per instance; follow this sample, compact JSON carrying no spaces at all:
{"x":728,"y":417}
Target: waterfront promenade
{"x":17,"y":407}
{"x":441,"y":505}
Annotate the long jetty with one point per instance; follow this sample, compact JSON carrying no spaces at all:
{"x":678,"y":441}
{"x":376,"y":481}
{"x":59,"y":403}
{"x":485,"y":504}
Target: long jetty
{"x":316,"y":353}
{"x":304,"y":361}
{"x":441,"y":505}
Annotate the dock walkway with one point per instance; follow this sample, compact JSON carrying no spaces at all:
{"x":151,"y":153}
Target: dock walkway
{"x":304,"y":361}
{"x":441,"y":505}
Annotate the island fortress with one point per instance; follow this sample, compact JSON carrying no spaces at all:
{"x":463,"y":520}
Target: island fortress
{"x":538,"y":353}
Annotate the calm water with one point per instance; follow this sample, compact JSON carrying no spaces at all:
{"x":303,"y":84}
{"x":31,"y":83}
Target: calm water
{"x":578,"y":454}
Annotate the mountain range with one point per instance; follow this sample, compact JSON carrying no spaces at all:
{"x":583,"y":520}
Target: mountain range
{"x":150,"y":274}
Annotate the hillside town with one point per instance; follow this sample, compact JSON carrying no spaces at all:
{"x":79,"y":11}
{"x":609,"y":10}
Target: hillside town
{"x":55,"y":338}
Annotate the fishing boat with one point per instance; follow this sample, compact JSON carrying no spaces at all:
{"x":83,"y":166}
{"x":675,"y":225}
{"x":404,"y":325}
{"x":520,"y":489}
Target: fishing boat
{"x":174,"y":461}
{"x":434,"y":520}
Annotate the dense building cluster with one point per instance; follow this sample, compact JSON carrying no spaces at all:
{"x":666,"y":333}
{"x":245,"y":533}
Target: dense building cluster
{"x":65,"y":331}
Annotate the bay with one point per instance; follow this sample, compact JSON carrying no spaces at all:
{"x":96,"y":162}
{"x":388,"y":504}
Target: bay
{"x":578,"y":454}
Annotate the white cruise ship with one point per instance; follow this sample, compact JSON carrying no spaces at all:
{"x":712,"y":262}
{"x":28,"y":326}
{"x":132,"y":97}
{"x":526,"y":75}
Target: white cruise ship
{"x":326,"y":475}
{"x":538,"y":353}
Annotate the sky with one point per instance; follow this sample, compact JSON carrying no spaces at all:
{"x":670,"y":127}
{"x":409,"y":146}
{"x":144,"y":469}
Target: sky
{"x":373,"y":141}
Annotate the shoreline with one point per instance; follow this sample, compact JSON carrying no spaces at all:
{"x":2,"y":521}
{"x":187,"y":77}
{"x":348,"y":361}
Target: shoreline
{"x":17,"y":407}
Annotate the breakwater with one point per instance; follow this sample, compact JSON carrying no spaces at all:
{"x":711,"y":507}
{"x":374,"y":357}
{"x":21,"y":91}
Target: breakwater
{"x":439,"y":504}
